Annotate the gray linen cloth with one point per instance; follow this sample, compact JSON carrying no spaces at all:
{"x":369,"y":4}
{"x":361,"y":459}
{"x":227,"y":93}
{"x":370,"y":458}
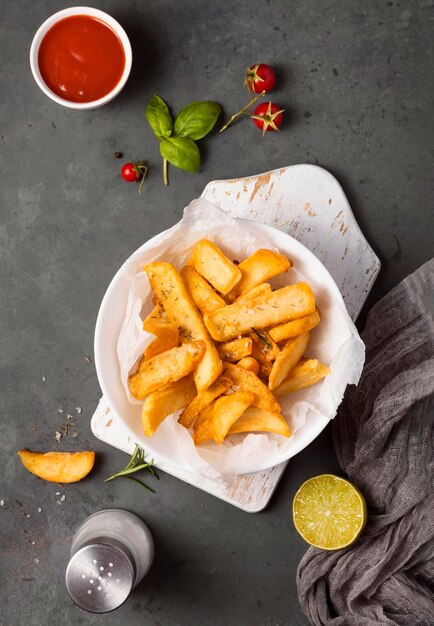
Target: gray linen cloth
{"x":383,"y":437}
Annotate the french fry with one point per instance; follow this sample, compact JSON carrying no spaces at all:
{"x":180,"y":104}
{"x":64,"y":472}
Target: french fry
{"x":166,"y":368}
{"x":201,"y":292}
{"x":235,"y":349}
{"x":280,"y":306}
{"x":249,"y":363}
{"x":268,"y":348}
{"x":260,"y":290}
{"x":202,"y":400}
{"x":166,"y":339}
{"x":258,"y":420}
{"x":265,"y":370}
{"x":212,"y":264}
{"x":58,"y":467}
{"x":288,"y":359}
{"x":259,"y":267}
{"x":248,"y":381}
{"x":171,"y":291}
{"x":159,"y":404}
{"x":225,"y":411}
{"x":158,"y":321}
{"x":296,"y":327}
{"x":307,"y":372}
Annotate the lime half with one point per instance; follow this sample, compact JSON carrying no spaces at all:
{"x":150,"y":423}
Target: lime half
{"x":329,"y":512}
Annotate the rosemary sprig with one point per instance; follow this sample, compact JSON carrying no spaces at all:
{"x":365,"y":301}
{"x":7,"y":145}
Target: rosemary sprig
{"x":262,"y":337}
{"x":135,"y":464}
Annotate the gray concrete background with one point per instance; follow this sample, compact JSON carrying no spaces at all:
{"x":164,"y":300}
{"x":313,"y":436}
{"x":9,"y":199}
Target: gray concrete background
{"x":356,"y":79}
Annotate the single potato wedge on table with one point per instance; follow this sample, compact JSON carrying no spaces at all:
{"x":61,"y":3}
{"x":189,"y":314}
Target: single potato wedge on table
{"x":58,"y":467}
{"x":166,"y":368}
{"x":159,"y":404}
{"x":212,"y":264}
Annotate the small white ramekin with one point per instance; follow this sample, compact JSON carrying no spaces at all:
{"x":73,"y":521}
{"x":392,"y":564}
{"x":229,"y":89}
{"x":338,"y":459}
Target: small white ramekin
{"x":42,"y":30}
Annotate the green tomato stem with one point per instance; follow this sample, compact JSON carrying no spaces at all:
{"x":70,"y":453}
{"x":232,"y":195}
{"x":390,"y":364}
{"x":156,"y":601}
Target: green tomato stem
{"x":165,"y":174}
{"x":243,"y":110}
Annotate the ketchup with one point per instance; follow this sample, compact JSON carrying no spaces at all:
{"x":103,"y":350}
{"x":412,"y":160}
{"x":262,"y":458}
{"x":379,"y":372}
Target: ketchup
{"x":81,"y":59}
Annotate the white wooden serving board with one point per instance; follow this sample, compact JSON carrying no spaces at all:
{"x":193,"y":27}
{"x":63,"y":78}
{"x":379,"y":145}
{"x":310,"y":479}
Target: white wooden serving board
{"x":306,"y":202}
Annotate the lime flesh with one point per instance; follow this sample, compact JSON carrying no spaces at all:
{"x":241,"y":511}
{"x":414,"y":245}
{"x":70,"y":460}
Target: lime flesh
{"x":329,"y":512}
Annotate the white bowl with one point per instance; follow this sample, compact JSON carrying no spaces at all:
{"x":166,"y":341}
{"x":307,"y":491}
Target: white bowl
{"x":45,"y":27}
{"x":111,"y":316}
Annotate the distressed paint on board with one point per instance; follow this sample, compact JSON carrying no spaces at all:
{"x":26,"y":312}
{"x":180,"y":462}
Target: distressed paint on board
{"x":306,"y":202}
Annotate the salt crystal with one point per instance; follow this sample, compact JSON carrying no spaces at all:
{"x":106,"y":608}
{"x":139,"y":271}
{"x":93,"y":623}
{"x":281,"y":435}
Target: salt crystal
{"x":62,"y":499}
{"x":59,"y":410}
{"x":39,"y":509}
{"x":58,"y":436}
{"x":28,"y":515}
{"x":57,"y":493}
{"x":36,"y":561}
{"x":43,"y":379}
{"x":236,"y":387}
{"x":58,"y":502}
{"x":33,"y":543}
{"x":2,"y":502}
{"x":78,"y":409}
{"x":69,"y":417}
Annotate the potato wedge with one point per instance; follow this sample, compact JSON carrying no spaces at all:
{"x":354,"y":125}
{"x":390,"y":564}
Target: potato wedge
{"x":204,"y":399}
{"x":201,"y":292}
{"x":265,"y":370}
{"x":288,"y":359}
{"x":307,"y":372}
{"x":212,"y":264}
{"x":260,"y":290}
{"x":249,"y":363}
{"x":225,"y":411}
{"x":248,"y":381}
{"x":166,"y":339}
{"x":235,"y":349}
{"x":280,"y":306}
{"x":296,"y":327}
{"x":158,"y":321}
{"x":265,"y":345}
{"x":170,"y":289}
{"x":166,"y":368}
{"x":258,"y":420}
{"x":159,"y":404}
{"x":58,"y":467}
{"x":259,"y":267}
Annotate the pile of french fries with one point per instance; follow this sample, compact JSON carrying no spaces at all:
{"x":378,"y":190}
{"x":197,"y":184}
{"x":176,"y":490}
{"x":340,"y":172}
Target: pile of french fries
{"x":226,"y":344}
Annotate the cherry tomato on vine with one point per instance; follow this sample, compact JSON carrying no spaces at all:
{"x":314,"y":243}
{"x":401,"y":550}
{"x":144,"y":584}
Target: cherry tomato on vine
{"x":134,"y":172}
{"x":267,"y":116}
{"x":260,"y":77}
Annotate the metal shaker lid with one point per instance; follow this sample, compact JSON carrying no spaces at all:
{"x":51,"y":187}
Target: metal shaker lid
{"x":100,"y":576}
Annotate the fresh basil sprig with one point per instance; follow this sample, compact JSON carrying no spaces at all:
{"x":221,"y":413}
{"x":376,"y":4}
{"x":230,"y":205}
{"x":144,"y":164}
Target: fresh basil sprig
{"x":177,"y":139}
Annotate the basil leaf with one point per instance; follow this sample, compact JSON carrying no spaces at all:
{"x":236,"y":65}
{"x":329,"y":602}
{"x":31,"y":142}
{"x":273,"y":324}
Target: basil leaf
{"x":196,"y":119}
{"x":181,"y":152}
{"x":159,"y":118}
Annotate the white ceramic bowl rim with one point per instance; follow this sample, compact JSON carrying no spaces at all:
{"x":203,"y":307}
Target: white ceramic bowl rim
{"x":45,"y":27}
{"x":302,"y":438}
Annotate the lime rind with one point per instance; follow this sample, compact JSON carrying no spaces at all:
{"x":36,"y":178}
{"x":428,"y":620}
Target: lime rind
{"x":329,"y":512}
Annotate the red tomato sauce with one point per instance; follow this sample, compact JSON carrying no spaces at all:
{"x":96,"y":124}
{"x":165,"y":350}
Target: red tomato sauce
{"x":81,"y":58}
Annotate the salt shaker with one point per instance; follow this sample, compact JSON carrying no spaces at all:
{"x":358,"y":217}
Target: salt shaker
{"x":111,"y":552}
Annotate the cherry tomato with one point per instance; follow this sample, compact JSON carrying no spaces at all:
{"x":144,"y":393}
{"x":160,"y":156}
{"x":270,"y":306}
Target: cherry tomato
{"x":267,"y":116}
{"x":260,"y":77}
{"x":133,"y":172}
